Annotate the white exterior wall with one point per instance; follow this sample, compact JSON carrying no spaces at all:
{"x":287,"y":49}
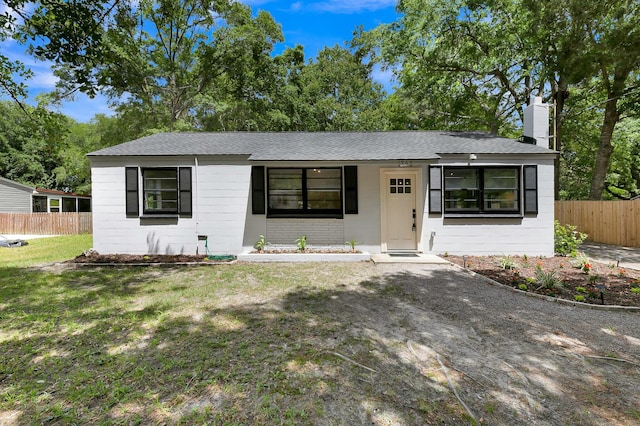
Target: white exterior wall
{"x":317,"y":231}
{"x":531,"y":235}
{"x":363,"y":227}
{"x":219,"y":192}
{"x":221,"y":196}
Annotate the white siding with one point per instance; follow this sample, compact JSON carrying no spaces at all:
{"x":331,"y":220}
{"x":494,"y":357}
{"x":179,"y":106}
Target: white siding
{"x":363,"y":227}
{"x":223,"y":197}
{"x":531,"y":235}
{"x":220,"y":193}
{"x":317,"y":231}
{"x":14,"y":199}
{"x":222,"y":211}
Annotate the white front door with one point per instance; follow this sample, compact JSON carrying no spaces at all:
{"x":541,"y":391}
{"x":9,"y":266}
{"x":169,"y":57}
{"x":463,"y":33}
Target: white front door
{"x":399,"y":210}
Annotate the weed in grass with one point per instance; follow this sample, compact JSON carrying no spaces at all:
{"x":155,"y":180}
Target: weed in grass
{"x":489,"y":408}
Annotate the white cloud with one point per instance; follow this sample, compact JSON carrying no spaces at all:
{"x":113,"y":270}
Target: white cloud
{"x":82,"y":108}
{"x":296,"y":6}
{"x":42,"y":80}
{"x":352,"y":6}
{"x":384,"y":77}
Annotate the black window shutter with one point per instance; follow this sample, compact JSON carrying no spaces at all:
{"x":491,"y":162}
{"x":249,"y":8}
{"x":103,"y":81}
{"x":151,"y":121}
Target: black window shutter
{"x":530,"y":189}
{"x":435,"y":189}
{"x":351,"y":189}
{"x":131,"y":184}
{"x":257,"y":190}
{"x":184,"y":191}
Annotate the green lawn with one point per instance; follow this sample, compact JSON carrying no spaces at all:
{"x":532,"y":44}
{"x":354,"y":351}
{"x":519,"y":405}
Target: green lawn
{"x":45,"y":250}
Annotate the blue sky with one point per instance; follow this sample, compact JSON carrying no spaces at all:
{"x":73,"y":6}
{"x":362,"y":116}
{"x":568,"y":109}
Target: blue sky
{"x":313,"y":24}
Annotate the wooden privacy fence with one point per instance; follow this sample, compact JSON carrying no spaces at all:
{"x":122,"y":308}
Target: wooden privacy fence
{"x":607,"y":222}
{"x":46,"y":223}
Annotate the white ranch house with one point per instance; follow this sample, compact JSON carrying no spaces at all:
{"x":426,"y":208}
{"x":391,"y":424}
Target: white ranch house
{"x":417,"y":191}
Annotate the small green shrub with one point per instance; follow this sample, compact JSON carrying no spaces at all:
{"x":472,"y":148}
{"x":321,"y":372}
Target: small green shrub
{"x":635,"y":290}
{"x":581,"y":289}
{"x":523,"y":287}
{"x":508,"y":262}
{"x":593,"y":279}
{"x":261,"y":244}
{"x":581,"y":261}
{"x":352,"y":244}
{"x":301,"y":243}
{"x":548,"y":280}
{"x":566,"y":239}
{"x":579,"y":298}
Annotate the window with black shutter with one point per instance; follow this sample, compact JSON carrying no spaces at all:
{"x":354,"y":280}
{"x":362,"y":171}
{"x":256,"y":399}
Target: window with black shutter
{"x":257,"y":190}
{"x":350,"y":189}
{"x":132,"y":204}
{"x":530,"y":189}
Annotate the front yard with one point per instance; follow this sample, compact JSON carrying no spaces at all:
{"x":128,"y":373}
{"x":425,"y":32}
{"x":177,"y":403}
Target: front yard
{"x":304,"y":344}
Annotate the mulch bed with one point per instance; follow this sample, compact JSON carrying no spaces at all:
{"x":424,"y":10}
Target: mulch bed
{"x":615,"y":282}
{"x":128,"y":259}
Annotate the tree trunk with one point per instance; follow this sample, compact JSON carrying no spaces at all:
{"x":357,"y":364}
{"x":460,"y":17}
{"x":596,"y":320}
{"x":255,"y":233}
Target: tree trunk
{"x":560,"y":98}
{"x":605,"y":149}
{"x":614,"y":91}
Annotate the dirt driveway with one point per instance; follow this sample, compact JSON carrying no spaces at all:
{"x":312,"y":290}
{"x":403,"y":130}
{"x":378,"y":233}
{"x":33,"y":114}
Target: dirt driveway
{"x":512,"y":359}
{"x":306,"y":343}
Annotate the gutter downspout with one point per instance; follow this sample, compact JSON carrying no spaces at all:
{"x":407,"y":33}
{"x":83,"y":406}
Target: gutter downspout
{"x":195,"y":203}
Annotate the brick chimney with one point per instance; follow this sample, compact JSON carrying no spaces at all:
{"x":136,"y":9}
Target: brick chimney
{"x":536,"y":122}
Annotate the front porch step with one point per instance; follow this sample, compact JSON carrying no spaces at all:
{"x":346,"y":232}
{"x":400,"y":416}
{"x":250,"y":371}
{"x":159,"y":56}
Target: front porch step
{"x":408,"y":257}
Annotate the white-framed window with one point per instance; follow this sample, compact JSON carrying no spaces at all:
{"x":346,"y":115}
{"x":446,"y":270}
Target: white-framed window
{"x":54,"y":205}
{"x":160,"y":190}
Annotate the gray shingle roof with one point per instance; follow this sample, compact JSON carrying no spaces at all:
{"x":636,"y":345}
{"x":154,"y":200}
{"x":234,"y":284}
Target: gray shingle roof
{"x":322,"y":146}
{"x":17,"y":185}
